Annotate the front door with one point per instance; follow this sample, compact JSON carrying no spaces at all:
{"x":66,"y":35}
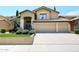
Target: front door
{"x":27,"y":23}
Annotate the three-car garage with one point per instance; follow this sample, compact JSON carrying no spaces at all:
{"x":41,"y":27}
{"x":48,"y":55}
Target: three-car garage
{"x":51,"y":27}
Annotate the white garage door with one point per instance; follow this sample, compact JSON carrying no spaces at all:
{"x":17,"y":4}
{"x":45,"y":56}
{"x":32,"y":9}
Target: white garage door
{"x":51,"y":27}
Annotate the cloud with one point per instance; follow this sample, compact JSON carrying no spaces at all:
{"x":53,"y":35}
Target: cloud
{"x":72,"y":13}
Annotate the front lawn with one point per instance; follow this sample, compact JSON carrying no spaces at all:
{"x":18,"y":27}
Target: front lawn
{"x":14,"y":35}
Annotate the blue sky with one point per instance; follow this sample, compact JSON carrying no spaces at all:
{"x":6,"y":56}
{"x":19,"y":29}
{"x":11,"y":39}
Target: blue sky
{"x":64,"y":10}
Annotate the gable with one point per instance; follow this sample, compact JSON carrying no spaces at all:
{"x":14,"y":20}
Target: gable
{"x":27,"y":13}
{"x":45,"y":8}
{"x":43,"y":11}
{"x":50,"y":14}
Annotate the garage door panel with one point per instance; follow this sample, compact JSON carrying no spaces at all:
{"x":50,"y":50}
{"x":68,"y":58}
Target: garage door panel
{"x":50,"y":27}
{"x":63,"y":27}
{"x":45,"y":27}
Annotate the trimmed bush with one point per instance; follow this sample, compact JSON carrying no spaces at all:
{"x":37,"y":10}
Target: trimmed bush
{"x":18,"y":28}
{"x":19,"y":32}
{"x":25,"y":31}
{"x":32,"y":32}
{"x":11,"y":31}
{"x":14,"y":30}
{"x":77,"y":31}
{"x":2,"y":30}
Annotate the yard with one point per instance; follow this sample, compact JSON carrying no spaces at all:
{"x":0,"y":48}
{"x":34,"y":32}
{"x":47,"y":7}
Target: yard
{"x":14,"y":35}
{"x":15,"y":39}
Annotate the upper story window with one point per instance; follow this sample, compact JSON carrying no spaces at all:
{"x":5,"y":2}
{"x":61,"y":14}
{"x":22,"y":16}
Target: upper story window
{"x":43,"y":16}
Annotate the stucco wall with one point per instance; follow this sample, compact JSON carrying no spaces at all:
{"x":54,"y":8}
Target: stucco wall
{"x":26,"y":14}
{"x":5,"y":25}
{"x":54,"y":15}
{"x":43,"y":11}
{"x":72,"y":25}
{"x":50,"y":14}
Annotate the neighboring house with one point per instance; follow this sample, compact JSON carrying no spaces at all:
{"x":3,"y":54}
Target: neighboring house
{"x":14,"y":21}
{"x":5,"y":23}
{"x":10,"y":17}
{"x":46,"y":20}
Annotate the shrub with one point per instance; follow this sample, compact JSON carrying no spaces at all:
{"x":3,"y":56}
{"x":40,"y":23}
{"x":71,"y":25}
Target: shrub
{"x":19,"y":32}
{"x":77,"y":26}
{"x":25,"y":31}
{"x":14,"y":30}
{"x":11,"y":31}
{"x":77,"y":31}
{"x":18,"y":28}
{"x":3,"y":31}
{"x":32,"y":32}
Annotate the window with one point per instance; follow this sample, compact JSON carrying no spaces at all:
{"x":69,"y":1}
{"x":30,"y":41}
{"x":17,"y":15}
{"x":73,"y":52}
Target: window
{"x":43,"y":16}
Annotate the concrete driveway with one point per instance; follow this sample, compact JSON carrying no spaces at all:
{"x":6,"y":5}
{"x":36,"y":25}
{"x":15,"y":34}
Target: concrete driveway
{"x":48,"y":42}
{"x":56,"y":38}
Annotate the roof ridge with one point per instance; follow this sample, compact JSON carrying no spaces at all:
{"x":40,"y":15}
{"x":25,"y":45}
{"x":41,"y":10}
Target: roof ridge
{"x":40,"y":8}
{"x":25,"y":10}
{"x":46,"y":8}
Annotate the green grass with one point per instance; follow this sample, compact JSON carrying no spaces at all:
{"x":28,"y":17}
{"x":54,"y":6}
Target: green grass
{"x":15,"y":35}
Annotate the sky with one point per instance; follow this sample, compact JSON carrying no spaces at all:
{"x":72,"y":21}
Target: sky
{"x":64,"y":10}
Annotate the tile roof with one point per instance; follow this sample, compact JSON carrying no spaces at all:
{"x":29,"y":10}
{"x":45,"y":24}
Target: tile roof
{"x":43,"y":7}
{"x":25,"y":11}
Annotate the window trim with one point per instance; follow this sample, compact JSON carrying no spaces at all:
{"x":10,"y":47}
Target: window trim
{"x":43,"y":14}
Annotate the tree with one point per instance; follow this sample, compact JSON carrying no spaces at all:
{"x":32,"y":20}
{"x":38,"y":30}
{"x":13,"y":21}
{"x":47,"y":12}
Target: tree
{"x":17,"y":13}
{"x":15,"y":23}
{"x":54,"y":8}
{"x":77,"y":25}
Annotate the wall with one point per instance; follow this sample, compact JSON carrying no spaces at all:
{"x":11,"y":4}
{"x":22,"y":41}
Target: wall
{"x":43,"y":11}
{"x":26,"y":14}
{"x":72,"y":25}
{"x":54,"y":15}
{"x":50,"y":14}
{"x":4,"y":25}
{"x":16,"y":40}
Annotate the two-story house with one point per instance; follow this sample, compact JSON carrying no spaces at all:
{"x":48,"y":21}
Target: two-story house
{"x":45,"y":20}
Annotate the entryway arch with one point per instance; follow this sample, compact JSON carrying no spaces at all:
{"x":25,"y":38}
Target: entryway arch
{"x":27,"y":22}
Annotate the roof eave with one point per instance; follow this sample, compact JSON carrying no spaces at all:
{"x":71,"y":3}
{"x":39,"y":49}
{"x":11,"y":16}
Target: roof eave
{"x":45,"y":8}
{"x":26,"y":11}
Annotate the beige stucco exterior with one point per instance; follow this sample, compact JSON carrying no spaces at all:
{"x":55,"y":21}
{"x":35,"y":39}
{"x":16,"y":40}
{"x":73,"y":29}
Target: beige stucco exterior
{"x":43,"y":11}
{"x":53,"y":15}
{"x":26,"y":14}
{"x":45,"y":25}
{"x":50,"y":14}
{"x":5,"y":25}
